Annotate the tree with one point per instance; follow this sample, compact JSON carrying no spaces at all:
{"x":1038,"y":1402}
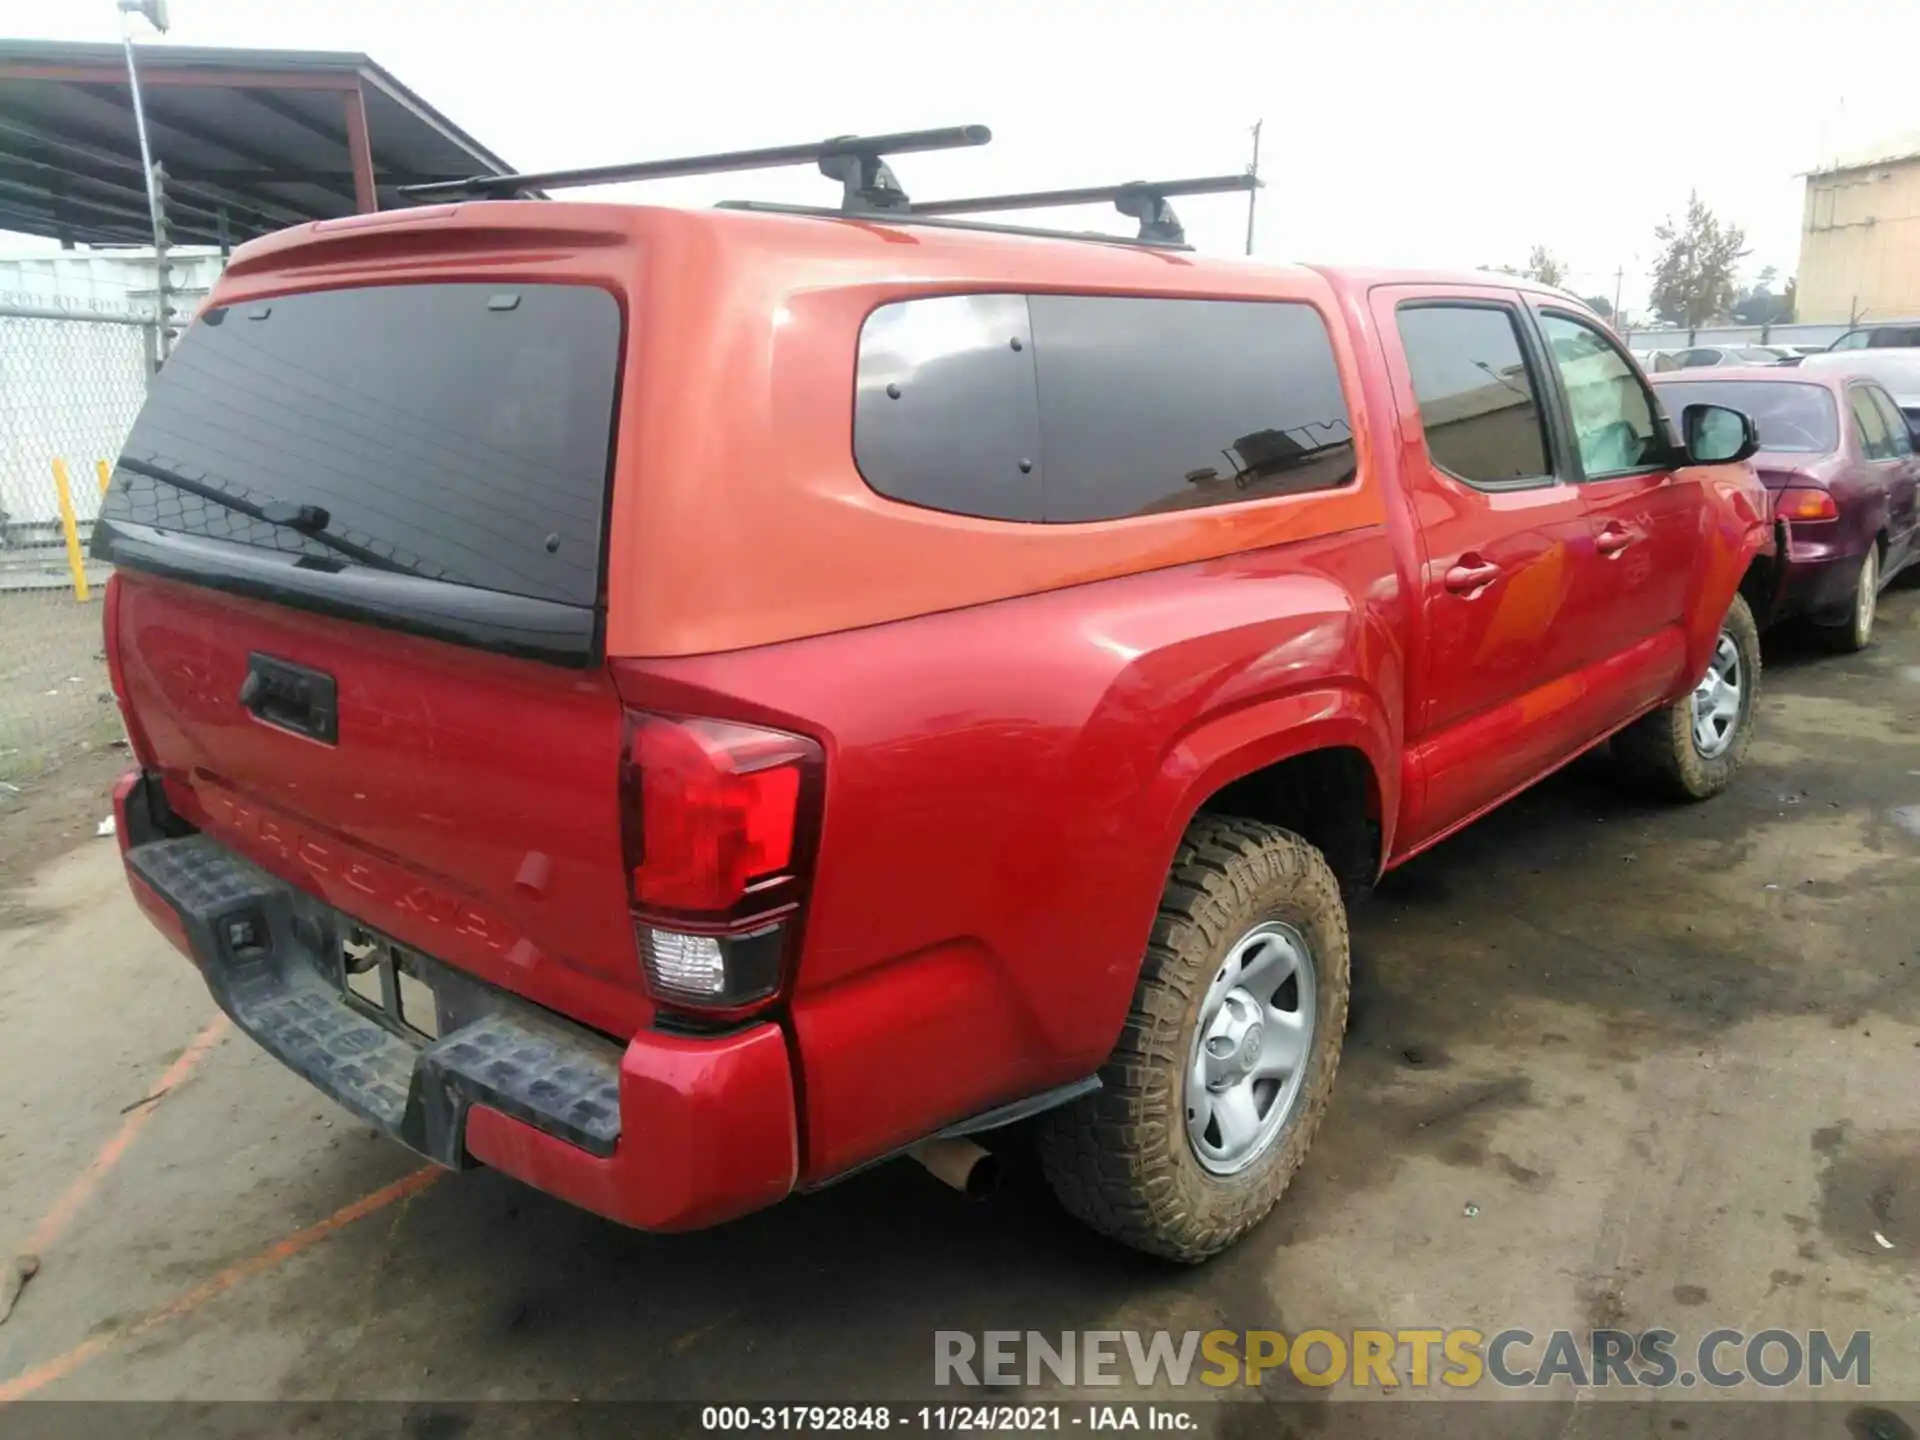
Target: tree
{"x":1760,"y":306}
{"x":1693,"y":276}
{"x":1600,"y":306}
{"x":1542,"y":265}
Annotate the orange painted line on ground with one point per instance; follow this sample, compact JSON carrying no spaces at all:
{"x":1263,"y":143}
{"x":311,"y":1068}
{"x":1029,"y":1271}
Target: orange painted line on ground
{"x":63,"y":1365}
{"x":55,"y":1222}
{"x":57,"y":1368}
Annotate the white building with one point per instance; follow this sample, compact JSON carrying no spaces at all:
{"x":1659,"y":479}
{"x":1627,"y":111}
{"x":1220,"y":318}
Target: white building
{"x":70,"y":387}
{"x":103,"y":279}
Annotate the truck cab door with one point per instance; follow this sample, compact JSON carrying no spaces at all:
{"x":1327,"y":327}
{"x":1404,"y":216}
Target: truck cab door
{"x":1502,"y":529}
{"x":1628,"y":610}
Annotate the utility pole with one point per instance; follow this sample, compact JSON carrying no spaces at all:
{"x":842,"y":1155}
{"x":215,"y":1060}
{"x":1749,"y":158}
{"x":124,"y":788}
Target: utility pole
{"x":1254,"y":170}
{"x":156,"y":13}
{"x":1619,"y":279}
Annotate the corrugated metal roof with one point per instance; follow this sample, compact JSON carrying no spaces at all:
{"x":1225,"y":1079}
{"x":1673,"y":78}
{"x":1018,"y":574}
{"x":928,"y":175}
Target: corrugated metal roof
{"x":261,"y":134}
{"x":1891,"y":150}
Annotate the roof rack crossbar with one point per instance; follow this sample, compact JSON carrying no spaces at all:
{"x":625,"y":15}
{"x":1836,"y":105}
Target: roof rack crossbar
{"x":1142,"y":200}
{"x":909,"y":216}
{"x":854,"y":160}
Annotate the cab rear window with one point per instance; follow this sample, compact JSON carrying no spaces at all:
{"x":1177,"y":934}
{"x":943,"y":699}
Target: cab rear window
{"x":455,"y":433}
{"x":1097,"y":407}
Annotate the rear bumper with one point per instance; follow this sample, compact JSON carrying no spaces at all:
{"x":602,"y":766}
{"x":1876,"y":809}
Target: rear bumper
{"x":1816,"y":577}
{"x":671,"y":1133}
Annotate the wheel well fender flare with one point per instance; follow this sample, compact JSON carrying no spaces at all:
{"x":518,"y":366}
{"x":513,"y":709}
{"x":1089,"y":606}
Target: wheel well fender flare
{"x":1227,"y":747}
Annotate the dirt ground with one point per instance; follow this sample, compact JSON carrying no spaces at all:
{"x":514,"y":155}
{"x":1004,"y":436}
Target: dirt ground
{"x":55,"y":703}
{"x":1611,"y":1064}
{"x":48,"y":814}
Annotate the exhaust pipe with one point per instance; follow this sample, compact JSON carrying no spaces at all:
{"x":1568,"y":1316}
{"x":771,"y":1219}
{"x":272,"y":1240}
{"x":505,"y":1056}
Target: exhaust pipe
{"x":960,"y":1163}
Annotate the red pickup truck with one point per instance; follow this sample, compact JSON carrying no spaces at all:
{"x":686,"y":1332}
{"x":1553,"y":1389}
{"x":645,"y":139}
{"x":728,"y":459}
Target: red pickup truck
{"x":679,"y":707}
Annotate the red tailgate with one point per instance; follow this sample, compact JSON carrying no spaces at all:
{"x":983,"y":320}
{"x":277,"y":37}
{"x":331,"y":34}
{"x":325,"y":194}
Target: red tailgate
{"x":468,"y":807}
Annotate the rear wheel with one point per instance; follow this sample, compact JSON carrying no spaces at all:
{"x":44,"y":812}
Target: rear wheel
{"x":1857,"y":633}
{"x":1227,"y":1058}
{"x":1691,"y":749}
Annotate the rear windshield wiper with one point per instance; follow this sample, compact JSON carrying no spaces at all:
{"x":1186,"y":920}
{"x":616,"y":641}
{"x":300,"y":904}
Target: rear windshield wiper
{"x":309,"y":520}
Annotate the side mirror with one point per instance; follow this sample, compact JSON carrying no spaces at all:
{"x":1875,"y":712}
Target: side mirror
{"x":1716,"y":435}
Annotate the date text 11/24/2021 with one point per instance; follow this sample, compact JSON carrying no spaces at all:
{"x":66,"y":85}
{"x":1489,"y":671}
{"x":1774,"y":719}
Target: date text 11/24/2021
{"x":930,"y":1419}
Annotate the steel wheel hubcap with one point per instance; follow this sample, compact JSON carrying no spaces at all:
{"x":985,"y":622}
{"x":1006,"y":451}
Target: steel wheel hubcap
{"x":1250,"y":1048}
{"x":1716,"y":700}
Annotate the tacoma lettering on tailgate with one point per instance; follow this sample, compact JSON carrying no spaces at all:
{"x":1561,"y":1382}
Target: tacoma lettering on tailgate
{"x":383,"y":882}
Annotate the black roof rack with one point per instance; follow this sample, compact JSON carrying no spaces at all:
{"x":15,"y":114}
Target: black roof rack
{"x":910,"y":217}
{"x":868,"y":186}
{"x":856,"y":161}
{"x":1142,"y":200}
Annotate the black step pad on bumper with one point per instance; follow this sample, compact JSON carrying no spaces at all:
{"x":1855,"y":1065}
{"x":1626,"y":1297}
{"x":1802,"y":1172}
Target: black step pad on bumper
{"x":270,"y":956}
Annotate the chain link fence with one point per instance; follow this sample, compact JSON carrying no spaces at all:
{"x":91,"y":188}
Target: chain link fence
{"x":1670,"y":338}
{"x":71,"y":382}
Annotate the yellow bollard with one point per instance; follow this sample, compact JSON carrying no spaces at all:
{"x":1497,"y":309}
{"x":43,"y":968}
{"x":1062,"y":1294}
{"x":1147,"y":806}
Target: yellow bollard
{"x":105,"y":472}
{"x":75,"y":562}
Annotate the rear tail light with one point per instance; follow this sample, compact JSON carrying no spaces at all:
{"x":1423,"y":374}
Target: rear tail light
{"x":1805,"y":503}
{"x":110,"y":626}
{"x":717,"y":825}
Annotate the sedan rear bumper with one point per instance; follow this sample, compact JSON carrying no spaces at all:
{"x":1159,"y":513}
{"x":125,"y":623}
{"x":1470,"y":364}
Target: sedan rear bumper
{"x":1816,"y":575}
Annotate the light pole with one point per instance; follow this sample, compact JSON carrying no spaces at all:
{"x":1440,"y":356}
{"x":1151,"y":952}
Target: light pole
{"x":156,"y":13}
{"x":1253,"y":170}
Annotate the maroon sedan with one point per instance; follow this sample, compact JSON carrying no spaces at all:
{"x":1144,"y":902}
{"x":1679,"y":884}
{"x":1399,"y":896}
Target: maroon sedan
{"x":1840,"y":462}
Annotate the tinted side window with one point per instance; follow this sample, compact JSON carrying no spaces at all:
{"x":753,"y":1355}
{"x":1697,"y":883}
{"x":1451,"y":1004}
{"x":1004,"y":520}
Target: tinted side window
{"x":945,"y":413}
{"x":1612,"y":410}
{"x":1477,"y":400}
{"x":1870,"y":426}
{"x":1155,"y":405}
{"x":1898,"y":436}
{"x":1694,"y":359}
{"x":1095,"y":407}
{"x":1894,"y":337}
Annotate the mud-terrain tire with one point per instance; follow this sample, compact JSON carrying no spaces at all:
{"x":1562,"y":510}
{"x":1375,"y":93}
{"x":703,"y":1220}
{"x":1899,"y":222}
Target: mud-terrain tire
{"x":1663,"y":752}
{"x":1122,"y":1159}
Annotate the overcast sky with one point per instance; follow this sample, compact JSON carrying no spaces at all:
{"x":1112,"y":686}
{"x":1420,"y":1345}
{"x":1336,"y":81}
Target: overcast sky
{"x":1413,"y":133}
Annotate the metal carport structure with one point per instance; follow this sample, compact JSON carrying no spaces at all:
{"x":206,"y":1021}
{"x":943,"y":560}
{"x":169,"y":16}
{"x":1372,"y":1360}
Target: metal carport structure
{"x":250,"y":141}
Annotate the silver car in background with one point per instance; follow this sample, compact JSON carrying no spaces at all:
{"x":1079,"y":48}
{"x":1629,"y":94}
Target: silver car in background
{"x":1895,"y":370}
{"x":1706,"y":356}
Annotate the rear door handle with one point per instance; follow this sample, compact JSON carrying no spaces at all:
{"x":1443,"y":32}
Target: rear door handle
{"x":1614,"y":539}
{"x":1464,"y":579}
